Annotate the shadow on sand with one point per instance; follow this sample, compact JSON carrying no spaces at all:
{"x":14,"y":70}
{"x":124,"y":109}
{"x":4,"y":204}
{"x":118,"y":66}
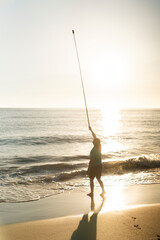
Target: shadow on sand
{"x":87,"y":228}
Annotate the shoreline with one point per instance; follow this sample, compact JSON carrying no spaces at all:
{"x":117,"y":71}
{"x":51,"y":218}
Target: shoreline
{"x":76,"y":202}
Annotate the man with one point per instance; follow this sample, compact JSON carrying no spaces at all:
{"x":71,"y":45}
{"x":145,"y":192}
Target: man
{"x":95,"y":165}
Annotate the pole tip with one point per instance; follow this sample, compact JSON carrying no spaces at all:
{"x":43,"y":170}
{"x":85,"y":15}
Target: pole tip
{"x":73,"y":31}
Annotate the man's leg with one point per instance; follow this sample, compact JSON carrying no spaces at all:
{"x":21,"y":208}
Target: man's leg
{"x":101,"y":184}
{"x":91,"y":187}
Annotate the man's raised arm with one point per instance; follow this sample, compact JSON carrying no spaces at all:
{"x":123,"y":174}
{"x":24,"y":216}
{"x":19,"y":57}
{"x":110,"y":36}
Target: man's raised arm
{"x":93,"y":134}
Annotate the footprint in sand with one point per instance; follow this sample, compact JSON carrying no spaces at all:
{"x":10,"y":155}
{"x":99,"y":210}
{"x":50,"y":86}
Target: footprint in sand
{"x":134,"y":218}
{"x":158,"y":237}
{"x":137,"y":226}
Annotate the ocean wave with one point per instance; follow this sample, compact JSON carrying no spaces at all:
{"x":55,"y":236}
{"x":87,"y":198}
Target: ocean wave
{"x":70,"y":175}
{"x":131,"y":165}
{"x":117,"y":167}
{"x":51,"y":168}
{"x":46,"y":158}
{"x":62,"y":171}
{"x":45,"y":140}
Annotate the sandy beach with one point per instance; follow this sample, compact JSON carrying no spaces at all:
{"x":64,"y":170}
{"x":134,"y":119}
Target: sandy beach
{"x":74,"y":216}
{"x":136,"y":223}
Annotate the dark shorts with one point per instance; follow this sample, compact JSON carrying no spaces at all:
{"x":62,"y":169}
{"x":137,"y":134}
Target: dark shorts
{"x":95,"y":171}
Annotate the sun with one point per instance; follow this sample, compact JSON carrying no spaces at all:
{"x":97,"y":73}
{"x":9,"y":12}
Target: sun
{"x":110,"y":70}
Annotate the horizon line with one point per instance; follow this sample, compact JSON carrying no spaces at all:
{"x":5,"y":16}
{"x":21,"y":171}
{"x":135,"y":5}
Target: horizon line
{"x":120,"y":108}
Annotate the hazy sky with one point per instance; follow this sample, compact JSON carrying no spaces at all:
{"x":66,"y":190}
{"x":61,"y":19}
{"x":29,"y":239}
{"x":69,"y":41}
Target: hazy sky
{"x":119,"y":49}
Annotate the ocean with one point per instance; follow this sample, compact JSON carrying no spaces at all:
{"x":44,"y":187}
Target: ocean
{"x":44,"y":152}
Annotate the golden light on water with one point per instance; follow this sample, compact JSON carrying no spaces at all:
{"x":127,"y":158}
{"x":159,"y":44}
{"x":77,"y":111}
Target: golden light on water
{"x":114,"y":198}
{"x":110,"y":126}
{"x":110,"y":121}
{"x":112,"y":145}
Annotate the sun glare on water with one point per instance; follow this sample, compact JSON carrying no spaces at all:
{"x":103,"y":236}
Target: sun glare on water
{"x":110,"y":121}
{"x":110,"y":127}
{"x":115,"y":198}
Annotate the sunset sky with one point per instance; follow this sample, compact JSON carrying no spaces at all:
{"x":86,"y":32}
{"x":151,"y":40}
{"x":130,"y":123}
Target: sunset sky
{"x":118,"y":43}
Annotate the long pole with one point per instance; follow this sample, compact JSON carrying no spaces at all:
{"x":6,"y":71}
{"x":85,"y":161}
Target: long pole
{"x":81,"y":78}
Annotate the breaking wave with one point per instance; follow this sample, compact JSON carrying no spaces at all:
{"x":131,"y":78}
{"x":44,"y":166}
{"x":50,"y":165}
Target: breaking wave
{"x":131,"y":165}
{"x":115,"y":167}
{"x":70,"y":169}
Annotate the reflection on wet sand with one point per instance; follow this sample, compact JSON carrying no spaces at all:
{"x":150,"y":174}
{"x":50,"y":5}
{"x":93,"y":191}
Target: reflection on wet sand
{"x":87,"y":228}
